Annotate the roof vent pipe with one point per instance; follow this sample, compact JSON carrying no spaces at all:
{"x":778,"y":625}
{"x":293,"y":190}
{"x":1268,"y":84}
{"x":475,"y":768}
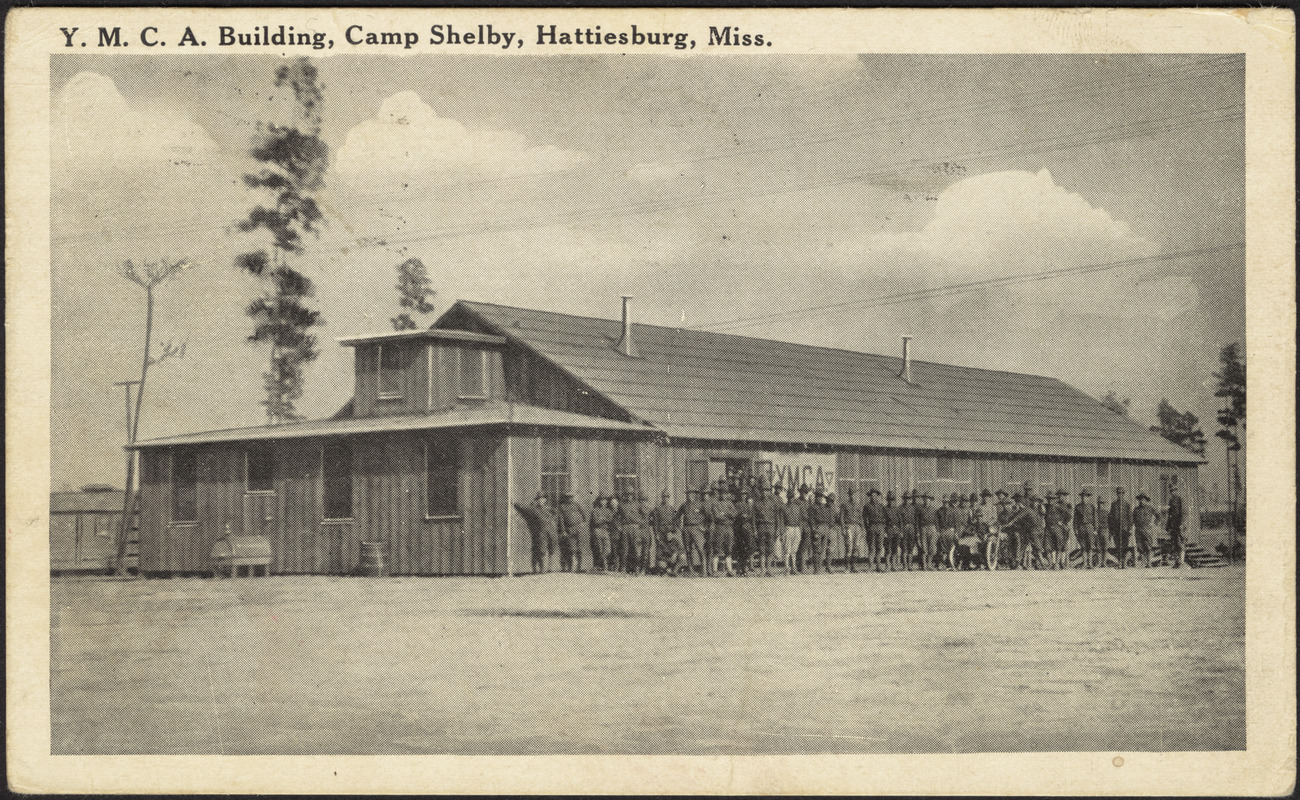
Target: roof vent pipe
{"x":906,"y":374}
{"x":626,"y":345}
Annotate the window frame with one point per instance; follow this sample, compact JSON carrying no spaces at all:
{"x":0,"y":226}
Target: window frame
{"x":450,"y":447}
{"x":176,"y":518}
{"x":699,"y":470}
{"x":325,"y":481}
{"x":270,"y":469}
{"x":554,"y":482}
{"x":624,"y":480}
{"x":461,"y":354}
{"x":380,"y":371}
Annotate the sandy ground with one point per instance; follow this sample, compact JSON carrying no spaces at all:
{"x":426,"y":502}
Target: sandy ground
{"x":1111,"y":660}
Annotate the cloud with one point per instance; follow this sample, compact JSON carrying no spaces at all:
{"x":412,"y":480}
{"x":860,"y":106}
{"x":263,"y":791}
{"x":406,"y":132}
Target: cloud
{"x":94,"y":129}
{"x":408,"y":138}
{"x":657,"y":172}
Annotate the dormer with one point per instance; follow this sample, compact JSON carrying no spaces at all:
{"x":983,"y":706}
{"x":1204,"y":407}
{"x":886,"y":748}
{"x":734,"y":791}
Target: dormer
{"x":421,"y":371}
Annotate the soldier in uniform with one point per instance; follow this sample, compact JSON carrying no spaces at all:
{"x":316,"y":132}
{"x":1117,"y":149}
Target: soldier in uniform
{"x":722,"y":532}
{"x":744,"y":529}
{"x":851,"y":531}
{"x":792,"y":522}
{"x":618,"y":543}
{"x":644,"y":549}
{"x":668,"y":539}
{"x":1174,"y":526}
{"x":573,"y":524}
{"x":822,"y":519}
{"x":1085,"y":528}
{"x":949,"y":522}
{"x":873,"y":520}
{"x":1119,"y":522}
{"x":1146,"y":522}
{"x":599,"y":524}
{"x":927,"y":526}
{"x":543,"y":527}
{"x":692,"y":517}
{"x":911,"y":530}
{"x":893,"y":528}
{"x":1057,"y":520}
{"x":766,"y":510}
{"x":630,"y":519}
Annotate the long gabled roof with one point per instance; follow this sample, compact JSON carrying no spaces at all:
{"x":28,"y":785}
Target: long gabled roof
{"x":698,"y":385}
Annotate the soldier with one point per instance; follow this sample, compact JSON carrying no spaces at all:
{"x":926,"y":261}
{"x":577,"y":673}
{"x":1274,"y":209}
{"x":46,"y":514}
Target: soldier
{"x":893,"y":528}
{"x":907,"y":512}
{"x":722,"y":531}
{"x":927,"y":525}
{"x":668,"y":539}
{"x":851,"y":531}
{"x":599,"y":524}
{"x":1057,"y":521}
{"x":1146,"y":521}
{"x":1120,"y":524}
{"x":630,"y":519}
{"x":1174,"y":526}
{"x":644,"y":543}
{"x":1017,"y":527}
{"x":573,"y":524}
{"x":1085,"y":528}
{"x":542,"y":525}
{"x":766,"y":510}
{"x":618,"y":543}
{"x":792,"y":520}
{"x":949,"y":522}
{"x":693,"y":517}
{"x":744,"y":529}
{"x":822,"y":520}
{"x":873,"y":520}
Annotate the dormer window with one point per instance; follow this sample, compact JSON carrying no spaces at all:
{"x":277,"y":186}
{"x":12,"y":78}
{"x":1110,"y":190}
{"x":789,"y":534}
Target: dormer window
{"x":390,"y":366}
{"x":471,"y":381}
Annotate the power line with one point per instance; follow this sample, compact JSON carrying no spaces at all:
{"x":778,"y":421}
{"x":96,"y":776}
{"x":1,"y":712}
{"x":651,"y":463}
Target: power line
{"x":954,"y":289}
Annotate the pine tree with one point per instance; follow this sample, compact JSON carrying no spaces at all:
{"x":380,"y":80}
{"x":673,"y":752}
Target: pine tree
{"x":1183,"y":429}
{"x":415,"y":290}
{"x":295,"y":159}
{"x":1232,"y":386}
{"x":1111,"y":400}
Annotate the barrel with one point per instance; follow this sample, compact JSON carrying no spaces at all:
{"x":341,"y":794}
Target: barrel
{"x":372,"y":559}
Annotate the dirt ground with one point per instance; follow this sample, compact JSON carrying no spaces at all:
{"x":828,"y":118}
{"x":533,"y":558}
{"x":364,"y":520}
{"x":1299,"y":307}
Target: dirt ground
{"x":1133,"y":660}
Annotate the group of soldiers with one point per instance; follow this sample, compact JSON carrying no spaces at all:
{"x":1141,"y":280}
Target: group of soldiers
{"x":738,"y":530}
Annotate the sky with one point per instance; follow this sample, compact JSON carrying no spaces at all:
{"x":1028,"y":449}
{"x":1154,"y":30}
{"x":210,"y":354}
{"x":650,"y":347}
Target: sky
{"x":826,"y":200}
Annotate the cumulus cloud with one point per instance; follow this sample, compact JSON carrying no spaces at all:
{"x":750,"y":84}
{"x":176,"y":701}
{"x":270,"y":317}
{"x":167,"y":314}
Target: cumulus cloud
{"x":95,"y":129}
{"x":408,"y":137}
{"x":1009,"y":224}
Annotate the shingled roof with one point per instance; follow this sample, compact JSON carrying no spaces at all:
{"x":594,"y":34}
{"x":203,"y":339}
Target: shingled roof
{"x":698,"y":385}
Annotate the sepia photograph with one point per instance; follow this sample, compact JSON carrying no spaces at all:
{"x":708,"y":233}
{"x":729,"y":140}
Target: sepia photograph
{"x":441,"y":389}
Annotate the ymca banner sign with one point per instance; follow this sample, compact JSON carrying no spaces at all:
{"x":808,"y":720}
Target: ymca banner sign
{"x":793,"y":470}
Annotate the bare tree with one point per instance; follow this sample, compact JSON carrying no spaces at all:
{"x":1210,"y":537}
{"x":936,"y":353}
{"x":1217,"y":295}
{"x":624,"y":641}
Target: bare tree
{"x":148,"y":276}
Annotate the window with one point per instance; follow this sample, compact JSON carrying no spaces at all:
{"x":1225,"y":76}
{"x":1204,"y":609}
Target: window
{"x":1103,"y":473}
{"x":185,"y":495}
{"x":1018,"y":471}
{"x":336,"y":471}
{"x":259,"y":469}
{"x":872,"y":466}
{"x":555,"y":469}
{"x":625,"y":469}
{"x":472,"y":376}
{"x":846,"y":473}
{"x":441,"y":478}
{"x":390,"y":372}
{"x":697,"y":475}
{"x":953,"y":468}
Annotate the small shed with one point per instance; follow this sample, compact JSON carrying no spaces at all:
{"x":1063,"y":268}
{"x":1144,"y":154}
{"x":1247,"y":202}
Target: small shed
{"x":83,"y":530}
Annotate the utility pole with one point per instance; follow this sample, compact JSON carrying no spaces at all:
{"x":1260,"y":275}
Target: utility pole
{"x":124,"y":532}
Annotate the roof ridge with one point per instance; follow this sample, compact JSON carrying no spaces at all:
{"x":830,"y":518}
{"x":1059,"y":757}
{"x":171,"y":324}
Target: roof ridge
{"x":721,"y":335}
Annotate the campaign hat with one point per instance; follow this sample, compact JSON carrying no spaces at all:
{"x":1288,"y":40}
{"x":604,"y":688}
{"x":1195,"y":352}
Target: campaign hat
{"x":1119,"y":490}
{"x":890,"y":495}
{"x":1143,"y":496}
{"x":1001,"y":493}
{"x":953,"y":498}
{"x":1062,"y":493}
{"x":870,"y":492}
{"x":986,"y":493}
{"x":1086,"y":493}
{"x":974,"y":498}
{"x":665,"y":494}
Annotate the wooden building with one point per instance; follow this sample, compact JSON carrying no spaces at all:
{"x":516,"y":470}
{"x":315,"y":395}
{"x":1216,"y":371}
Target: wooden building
{"x":448,"y":427}
{"x":83,"y":531}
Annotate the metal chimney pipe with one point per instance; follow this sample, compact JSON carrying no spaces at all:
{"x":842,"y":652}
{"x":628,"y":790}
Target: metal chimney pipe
{"x":906,"y":374}
{"x":625,"y":345}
